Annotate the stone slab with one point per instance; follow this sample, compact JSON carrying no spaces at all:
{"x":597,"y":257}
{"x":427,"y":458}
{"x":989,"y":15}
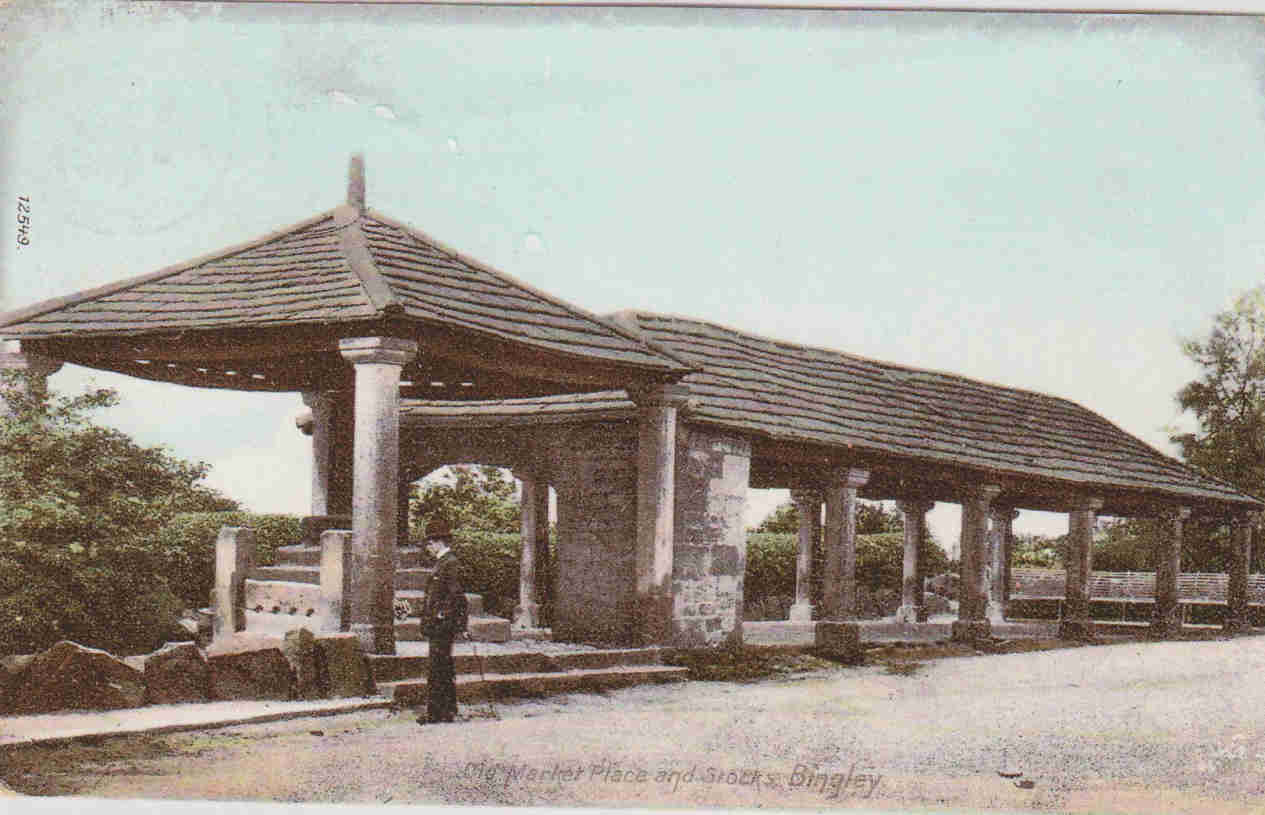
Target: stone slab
{"x":345,"y":671}
{"x":473,"y":688}
{"x":839,"y":640}
{"x":70,"y":676}
{"x":250,"y":674}
{"x":177,"y":672}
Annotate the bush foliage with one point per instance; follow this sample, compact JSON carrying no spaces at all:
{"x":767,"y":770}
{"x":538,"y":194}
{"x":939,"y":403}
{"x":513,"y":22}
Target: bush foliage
{"x":185,"y":546}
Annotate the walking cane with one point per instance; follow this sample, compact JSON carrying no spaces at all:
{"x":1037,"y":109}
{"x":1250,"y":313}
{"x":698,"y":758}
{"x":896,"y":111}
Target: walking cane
{"x":478,"y":660}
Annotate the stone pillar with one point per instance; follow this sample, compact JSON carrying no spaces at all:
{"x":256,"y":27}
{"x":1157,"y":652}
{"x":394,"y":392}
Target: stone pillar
{"x":527,"y":613}
{"x":1076,"y":623}
{"x":544,"y":558}
{"x":839,"y":587}
{"x":1001,"y":541}
{"x":1237,"y":620}
{"x":972,"y":622}
{"x":808,"y":507}
{"x":404,"y":490}
{"x":335,"y":579}
{"x":656,"y":510}
{"x":36,"y":368}
{"x":912,"y":609}
{"x":376,"y":469}
{"x":322,"y":412}
{"x":1166,"y":623}
{"x":234,"y":557}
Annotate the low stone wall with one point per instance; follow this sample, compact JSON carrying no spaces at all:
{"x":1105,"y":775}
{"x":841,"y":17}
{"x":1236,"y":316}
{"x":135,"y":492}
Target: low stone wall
{"x":70,"y":676}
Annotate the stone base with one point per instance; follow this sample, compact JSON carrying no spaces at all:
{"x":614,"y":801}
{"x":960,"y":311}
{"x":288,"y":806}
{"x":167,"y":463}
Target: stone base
{"x":1076,"y":630}
{"x":526,"y":616}
{"x":801,"y":613}
{"x":970,"y":631}
{"x":839,"y":640}
{"x":1237,"y":625}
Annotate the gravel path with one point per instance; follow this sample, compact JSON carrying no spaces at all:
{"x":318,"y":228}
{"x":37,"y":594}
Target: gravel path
{"x":1163,"y":727}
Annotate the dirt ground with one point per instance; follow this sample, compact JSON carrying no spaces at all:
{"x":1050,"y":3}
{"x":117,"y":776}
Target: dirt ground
{"x":1132,"y":727}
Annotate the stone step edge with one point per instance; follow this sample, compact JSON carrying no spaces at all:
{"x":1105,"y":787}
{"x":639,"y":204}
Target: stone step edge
{"x":473,"y":687}
{"x":393,"y":667}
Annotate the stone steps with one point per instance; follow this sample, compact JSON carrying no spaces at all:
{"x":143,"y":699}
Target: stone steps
{"x":407,"y":557}
{"x":481,"y":628}
{"x":390,"y":667}
{"x":413,"y":579}
{"x":473,"y":687}
{"x":416,"y":598}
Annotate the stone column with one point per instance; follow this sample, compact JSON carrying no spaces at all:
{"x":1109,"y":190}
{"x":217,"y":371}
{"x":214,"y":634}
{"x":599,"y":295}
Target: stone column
{"x":912,"y":609}
{"x":527,"y":613}
{"x":972,"y":622}
{"x":322,"y":412}
{"x":376,"y":469}
{"x":335,"y":579}
{"x":342,"y":444}
{"x":1007,"y":557}
{"x":36,"y":368}
{"x":544,"y":557}
{"x":1237,"y":620}
{"x":403,"y":490}
{"x":1166,"y":623}
{"x":234,"y":558}
{"x":839,"y":587}
{"x":999,"y":538}
{"x":656,"y":509}
{"x":808,"y":507}
{"x":1076,"y":624}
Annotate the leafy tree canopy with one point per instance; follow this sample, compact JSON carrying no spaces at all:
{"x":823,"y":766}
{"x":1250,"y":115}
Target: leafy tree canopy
{"x":80,"y":505}
{"x":468,"y":496}
{"x":1226,"y":399}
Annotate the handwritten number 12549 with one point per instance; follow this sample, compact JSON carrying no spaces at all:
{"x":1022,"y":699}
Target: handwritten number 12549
{"x":24,"y":220}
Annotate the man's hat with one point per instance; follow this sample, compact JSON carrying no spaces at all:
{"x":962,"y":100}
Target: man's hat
{"x":437,"y":528}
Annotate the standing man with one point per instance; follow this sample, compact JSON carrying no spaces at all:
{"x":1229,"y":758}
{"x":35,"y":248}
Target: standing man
{"x":443,"y":621}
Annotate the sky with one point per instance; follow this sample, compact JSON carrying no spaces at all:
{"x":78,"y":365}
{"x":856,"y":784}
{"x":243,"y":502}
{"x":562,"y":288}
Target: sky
{"x":1049,"y":202}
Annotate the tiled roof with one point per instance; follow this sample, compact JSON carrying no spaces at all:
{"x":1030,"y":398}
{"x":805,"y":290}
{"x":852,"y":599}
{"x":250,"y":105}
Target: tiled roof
{"x":791,"y":392}
{"x":787,"y":392}
{"x":342,"y":266}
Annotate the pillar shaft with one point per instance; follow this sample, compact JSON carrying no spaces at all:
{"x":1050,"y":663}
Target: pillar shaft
{"x":912,"y":608}
{"x":808,"y":508}
{"x":322,"y":408}
{"x":972,"y":592}
{"x":341,"y":447}
{"x":527,"y":614}
{"x":1076,"y":623}
{"x":839,"y":588}
{"x":376,"y":470}
{"x":656,"y":509}
{"x":1167,"y":621}
{"x":1001,"y":540}
{"x":1237,"y":619}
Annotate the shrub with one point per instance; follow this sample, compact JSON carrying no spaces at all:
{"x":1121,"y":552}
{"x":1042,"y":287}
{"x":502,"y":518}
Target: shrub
{"x":185,"y":546}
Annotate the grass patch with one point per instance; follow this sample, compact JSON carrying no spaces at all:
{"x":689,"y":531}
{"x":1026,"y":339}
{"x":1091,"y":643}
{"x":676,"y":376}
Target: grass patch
{"x":745,"y":664}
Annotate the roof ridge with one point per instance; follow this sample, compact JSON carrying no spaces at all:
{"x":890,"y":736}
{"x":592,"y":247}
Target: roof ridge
{"x":355,"y":246}
{"x":65,"y":301}
{"x":422,"y":237}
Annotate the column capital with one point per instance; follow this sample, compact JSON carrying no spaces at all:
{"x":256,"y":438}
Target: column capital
{"x":672,"y":394}
{"x":1174,"y":513}
{"x":849,"y":477}
{"x":1084,"y":503}
{"x":915,"y":506}
{"x":1003,"y":512}
{"x":981,"y":492}
{"x":305,"y":422}
{"x":387,"y":350}
{"x":806,"y":495}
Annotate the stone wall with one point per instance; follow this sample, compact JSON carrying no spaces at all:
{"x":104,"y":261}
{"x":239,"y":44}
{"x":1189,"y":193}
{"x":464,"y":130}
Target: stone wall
{"x":595,"y":476}
{"x":712,"y":472}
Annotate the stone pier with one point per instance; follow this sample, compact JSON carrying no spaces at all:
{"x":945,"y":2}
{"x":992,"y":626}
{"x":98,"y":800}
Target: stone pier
{"x":535,"y":515}
{"x":808,"y":508}
{"x":1076,"y":623}
{"x":972,"y":622}
{"x":376,"y":470}
{"x":1166,"y":623}
{"x":1237,"y":619}
{"x":912,"y":608}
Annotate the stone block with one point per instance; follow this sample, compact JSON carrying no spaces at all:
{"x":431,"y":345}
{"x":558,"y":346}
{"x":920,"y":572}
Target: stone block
{"x":838,"y":640}
{"x":335,"y":580}
{"x":250,"y":674}
{"x":344,"y":668}
{"x":299,"y":648}
{"x":177,"y":672}
{"x":234,"y":556}
{"x":11,"y":670}
{"x":70,"y":676}
{"x":971,"y":631}
{"x":1082,"y":630}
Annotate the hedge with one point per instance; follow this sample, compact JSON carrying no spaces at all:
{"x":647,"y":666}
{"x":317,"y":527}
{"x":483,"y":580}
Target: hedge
{"x":186,"y":547}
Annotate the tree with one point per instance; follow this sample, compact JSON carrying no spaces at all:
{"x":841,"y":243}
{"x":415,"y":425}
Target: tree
{"x":1226,"y":399}
{"x":474,"y":497}
{"x":872,"y":519}
{"x":80,"y":506}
